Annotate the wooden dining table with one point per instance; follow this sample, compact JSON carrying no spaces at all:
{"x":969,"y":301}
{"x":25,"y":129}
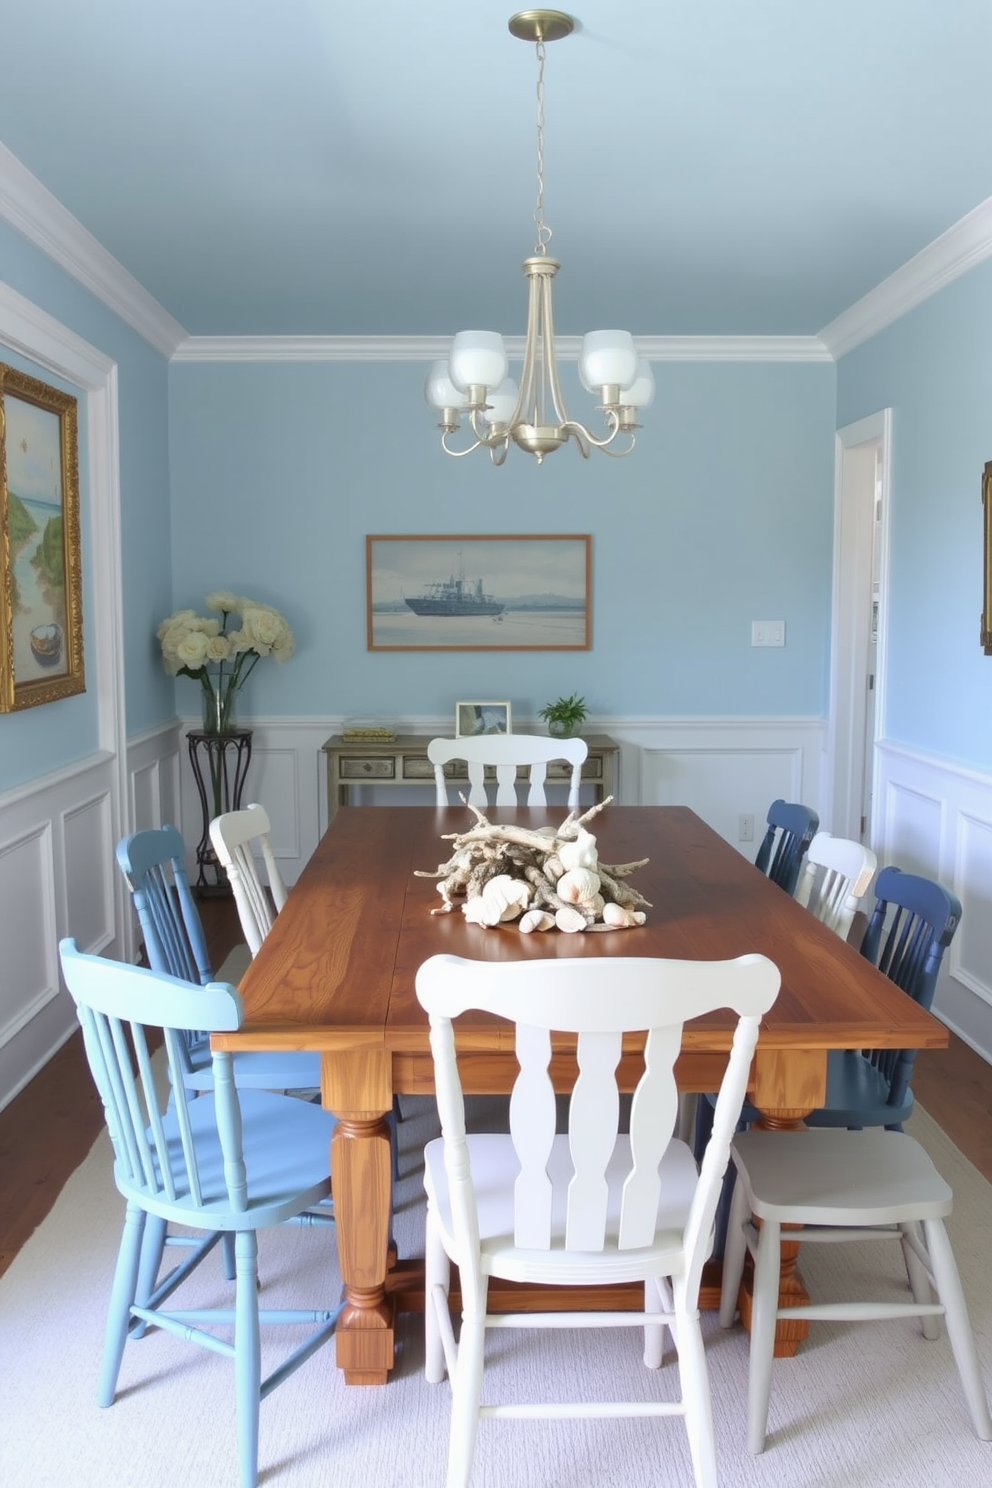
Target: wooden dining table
{"x":336,"y":974}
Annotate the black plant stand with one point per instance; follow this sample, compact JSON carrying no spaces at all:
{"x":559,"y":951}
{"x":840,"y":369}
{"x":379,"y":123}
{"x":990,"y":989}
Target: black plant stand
{"x":226,"y":757}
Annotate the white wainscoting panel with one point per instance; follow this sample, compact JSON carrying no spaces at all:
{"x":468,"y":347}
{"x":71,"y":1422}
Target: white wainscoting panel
{"x":55,"y":880}
{"x":726,"y":768}
{"x":935,"y":817}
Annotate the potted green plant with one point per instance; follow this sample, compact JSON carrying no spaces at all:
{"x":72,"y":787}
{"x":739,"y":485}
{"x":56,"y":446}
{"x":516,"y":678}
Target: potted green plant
{"x":565,"y":717}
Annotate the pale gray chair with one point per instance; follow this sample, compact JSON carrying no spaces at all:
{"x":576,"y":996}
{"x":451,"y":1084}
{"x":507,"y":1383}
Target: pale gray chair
{"x":506,"y":752}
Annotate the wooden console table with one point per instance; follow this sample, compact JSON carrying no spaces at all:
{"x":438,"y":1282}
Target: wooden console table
{"x":403,"y":761}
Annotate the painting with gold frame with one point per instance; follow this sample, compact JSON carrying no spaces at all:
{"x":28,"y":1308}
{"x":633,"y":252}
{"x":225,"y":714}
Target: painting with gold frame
{"x":41,"y":612}
{"x":987,"y":588}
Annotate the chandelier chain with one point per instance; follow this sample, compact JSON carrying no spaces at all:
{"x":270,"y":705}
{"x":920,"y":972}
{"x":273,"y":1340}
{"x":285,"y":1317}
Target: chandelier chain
{"x":544,"y":233}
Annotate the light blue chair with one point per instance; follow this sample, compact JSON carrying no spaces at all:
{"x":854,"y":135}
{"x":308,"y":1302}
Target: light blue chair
{"x":791,"y":829}
{"x":152,"y":862}
{"x":231,"y":1162}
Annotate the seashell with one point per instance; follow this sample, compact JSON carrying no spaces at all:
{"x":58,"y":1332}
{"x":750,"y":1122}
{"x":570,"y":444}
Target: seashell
{"x":508,"y":896}
{"x":478,"y":912}
{"x":579,"y":854}
{"x":536,"y":919}
{"x":569,"y":919}
{"x":578,"y":886}
{"x":620,"y":918}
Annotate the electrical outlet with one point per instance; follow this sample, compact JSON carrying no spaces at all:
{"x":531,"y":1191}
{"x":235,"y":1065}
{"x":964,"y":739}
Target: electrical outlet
{"x":745,"y":827}
{"x":767,"y":632}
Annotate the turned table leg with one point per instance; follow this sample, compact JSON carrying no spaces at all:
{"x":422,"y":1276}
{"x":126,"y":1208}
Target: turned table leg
{"x":354,"y":1085}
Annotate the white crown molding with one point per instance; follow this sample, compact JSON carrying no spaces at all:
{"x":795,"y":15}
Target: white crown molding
{"x":429,"y":348}
{"x":34,"y":211}
{"x":959,"y":249}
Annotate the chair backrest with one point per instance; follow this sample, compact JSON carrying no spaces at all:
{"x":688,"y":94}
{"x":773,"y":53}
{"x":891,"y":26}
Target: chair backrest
{"x":175,"y":942}
{"x":834,"y":879}
{"x":910,"y":928}
{"x":791,"y":829}
{"x":599,"y":1000}
{"x":506,"y":752}
{"x":116,"y":1005}
{"x":234,"y":835}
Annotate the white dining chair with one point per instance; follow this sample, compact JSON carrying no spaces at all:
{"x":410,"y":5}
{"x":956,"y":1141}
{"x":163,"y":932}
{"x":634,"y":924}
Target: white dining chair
{"x":506,"y":752}
{"x":234,"y":836}
{"x":843,"y":1186}
{"x":591,"y":1207}
{"x":835,"y":878}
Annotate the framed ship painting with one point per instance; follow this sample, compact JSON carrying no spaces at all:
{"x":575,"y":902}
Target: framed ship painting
{"x":41,"y":618}
{"x":479,"y":593}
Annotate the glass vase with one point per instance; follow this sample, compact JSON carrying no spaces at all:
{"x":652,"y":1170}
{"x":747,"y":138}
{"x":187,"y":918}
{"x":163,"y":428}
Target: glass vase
{"x":220,"y":710}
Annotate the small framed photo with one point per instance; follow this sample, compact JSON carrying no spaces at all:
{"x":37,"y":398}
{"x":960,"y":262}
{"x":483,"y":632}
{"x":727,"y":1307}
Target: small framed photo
{"x":473,"y":719}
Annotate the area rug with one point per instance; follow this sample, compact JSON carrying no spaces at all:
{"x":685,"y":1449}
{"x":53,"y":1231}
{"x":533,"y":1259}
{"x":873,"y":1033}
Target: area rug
{"x":869,"y":1404}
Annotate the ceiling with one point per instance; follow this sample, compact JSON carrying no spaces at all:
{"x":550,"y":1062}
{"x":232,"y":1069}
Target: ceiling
{"x":712,"y":167}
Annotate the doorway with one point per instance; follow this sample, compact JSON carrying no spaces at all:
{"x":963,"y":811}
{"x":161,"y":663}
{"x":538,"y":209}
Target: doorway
{"x":857,"y":641}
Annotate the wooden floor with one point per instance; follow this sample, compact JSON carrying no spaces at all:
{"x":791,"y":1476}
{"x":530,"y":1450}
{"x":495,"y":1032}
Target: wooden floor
{"x":48,"y":1129}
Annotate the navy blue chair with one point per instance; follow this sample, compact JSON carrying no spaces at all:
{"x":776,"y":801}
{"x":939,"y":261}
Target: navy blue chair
{"x":791,"y":829}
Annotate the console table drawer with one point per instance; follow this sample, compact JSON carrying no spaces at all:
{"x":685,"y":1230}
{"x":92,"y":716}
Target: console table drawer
{"x":362,"y":767}
{"x":419,"y":767}
{"x":592,"y":769}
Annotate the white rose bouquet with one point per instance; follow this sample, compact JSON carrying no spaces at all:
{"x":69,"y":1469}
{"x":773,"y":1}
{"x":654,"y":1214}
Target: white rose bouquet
{"x":220,"y":657}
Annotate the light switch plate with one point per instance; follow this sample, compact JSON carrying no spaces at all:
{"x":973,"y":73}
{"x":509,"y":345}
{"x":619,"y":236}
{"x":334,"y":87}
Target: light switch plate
{"x":767,"y":632}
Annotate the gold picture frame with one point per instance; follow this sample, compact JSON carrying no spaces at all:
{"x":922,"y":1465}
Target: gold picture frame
{"x":41,"y":609}
{"x":987,"y":586}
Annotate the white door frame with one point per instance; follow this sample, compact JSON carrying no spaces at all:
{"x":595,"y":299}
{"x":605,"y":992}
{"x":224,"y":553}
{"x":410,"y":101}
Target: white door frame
{"x":851,"y":619}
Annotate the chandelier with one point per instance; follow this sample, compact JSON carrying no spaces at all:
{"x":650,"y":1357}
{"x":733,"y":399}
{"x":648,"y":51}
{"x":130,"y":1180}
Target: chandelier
{"x":474,"y":381}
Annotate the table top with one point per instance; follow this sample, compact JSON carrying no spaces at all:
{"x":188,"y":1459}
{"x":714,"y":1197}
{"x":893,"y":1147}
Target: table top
{"x":417,"y":744}
{"x":336,"y":971}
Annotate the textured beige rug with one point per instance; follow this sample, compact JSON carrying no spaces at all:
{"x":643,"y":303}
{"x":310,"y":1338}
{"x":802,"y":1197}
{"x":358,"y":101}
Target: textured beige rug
{"x":871,"y":1405}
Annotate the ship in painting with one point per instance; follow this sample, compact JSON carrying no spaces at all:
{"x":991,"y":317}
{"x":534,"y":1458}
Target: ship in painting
{"x":455,"y":596}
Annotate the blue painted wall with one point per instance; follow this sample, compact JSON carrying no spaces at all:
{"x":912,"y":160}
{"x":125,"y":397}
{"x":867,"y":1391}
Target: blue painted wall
{"x":933,"y":369}
{"x":38,"y":740}
{"x":722,"y":516}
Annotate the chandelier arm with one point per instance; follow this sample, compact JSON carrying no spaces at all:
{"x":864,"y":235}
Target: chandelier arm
{"x":576,"y":430}
{"x":457,"y":453}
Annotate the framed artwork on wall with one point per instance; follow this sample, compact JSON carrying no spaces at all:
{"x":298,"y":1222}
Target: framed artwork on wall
{"x":479,"y":593}
{"x":472,"y":719}
{"x":41,"y":612}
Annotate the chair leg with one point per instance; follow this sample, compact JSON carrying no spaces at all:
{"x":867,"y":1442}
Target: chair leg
{"x":247,"y":1355}
{"x":152,"y":1251}
{"x":467,"y":1392}
{"x":734,"y":1253}
{"x":696,"y":1398}
{"x":122,"y":1295}
{"x":764,"y":1314}
{"x":919,"y":1281}
{"x":437,"y":1272}
{"x":959,"y":1332}
{"x":654,"y":1333}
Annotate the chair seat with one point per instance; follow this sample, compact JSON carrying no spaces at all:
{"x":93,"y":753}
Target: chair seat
{"x":260,"y":1069}
{"x":839,"y":1178}
{"x":857,"y":1095}
{"x":287,"y":1154}
{"x":494,"y":1169}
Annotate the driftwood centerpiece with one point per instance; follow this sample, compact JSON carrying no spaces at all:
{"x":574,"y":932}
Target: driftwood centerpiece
{"x":544,"y":878}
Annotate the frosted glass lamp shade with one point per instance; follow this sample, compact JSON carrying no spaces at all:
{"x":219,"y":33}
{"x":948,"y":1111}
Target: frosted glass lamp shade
{"x":440,"y":391}
{"x":640,"y":394}
{"x":607,"y":359}
{"x":502,"y":402}
{"x":478,"y":359}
